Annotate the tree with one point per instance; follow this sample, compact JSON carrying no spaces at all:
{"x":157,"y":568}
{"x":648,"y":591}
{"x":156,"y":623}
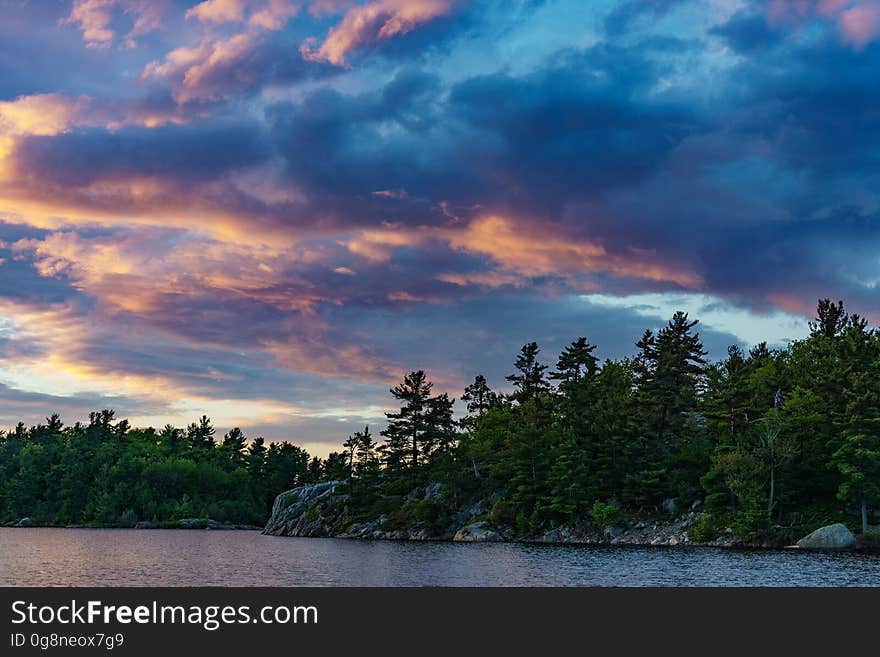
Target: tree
{"x":233,"y":447}
{"x":528,"y":380}
{"x":777,"y":449}
{"x":479,"y":396}
{"x":256,"y":456}
{"x":668,"y":370}
{"x":576,"y":363}
{"x":858,"y":461}
{"x":830,"y":319}
{"x":408,"y":426}
{"x":351,"y":448}
{"x":367,"y":457}
{"x":201,"y":435}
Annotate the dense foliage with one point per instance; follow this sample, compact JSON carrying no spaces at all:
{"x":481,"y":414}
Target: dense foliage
{"x":765,"y":440}
{"x":105,"y":472}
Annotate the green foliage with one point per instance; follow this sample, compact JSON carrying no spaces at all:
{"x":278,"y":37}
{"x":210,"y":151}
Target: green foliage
{"x":606,"y":514}
{"x":772,"y":441}
{"x":106,"y":472}
{"x":705,"y":529}
{"x":535,"y":519}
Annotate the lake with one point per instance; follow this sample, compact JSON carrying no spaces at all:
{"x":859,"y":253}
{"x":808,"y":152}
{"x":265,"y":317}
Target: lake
{"x":121,"y":557}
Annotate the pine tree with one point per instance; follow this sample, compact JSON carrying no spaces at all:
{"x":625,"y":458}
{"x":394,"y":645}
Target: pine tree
{"x":479,"y":396}
{"x":201,"y":435}
{"x":529,"y":382}
{"x":351,"y":446}
{"x":409,"y":426}
{"x":830,"y":319}
{"x":233,"y":446}
{"x":367,"y":458}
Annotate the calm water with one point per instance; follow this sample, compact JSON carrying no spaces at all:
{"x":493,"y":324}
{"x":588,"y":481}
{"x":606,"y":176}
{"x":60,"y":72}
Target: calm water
{"x":90,"y":557}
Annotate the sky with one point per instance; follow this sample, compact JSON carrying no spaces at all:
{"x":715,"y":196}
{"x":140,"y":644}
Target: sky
{"x":268,"y":211}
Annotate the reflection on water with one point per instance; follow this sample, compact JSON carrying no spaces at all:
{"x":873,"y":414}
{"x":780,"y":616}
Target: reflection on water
{"x":98,"y":557}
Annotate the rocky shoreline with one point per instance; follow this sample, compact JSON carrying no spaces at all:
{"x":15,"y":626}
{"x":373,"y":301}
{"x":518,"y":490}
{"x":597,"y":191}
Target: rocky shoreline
{"x":322,"y":510}
{"x":183,"y":523}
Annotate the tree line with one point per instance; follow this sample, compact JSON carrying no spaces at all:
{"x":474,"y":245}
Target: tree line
{"x":762,"y":440}
{"x":105,"y":472}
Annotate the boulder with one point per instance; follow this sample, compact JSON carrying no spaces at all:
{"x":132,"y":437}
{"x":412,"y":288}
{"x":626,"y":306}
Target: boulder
{"x":477,"y":532}
{"x":198,"y":523}
{"x":25,"y":522}
{"x":830,"y":537}
{"x":306,"y":511}
{"x":670,"y":506}
{"x":432,"y":491}
{"x":614,"y":531}
{"x":145,"y":524}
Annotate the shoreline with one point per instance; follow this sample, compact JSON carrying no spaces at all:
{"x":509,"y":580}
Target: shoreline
{"x":176,"y":525}
{"x":319,"y":510}
{"x":585,"y":543}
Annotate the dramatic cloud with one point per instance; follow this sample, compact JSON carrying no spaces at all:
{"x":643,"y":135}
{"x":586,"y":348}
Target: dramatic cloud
{"x":218,"y":11}
{"x":268,"y":210}
{"x":372,"y":22}
{"x":97,"y":19}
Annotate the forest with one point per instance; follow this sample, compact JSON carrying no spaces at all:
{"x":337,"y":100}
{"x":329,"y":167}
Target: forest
{"x":768,"y":441}
{"x":106,"y":473}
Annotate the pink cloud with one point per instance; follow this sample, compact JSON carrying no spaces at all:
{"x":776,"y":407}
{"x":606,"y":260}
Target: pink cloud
{"x":373,"y":22}
{"x":218,"y":11}
{"x":273,"y":15}
{"x":860,"y":24}
{"x":204,"y":71}
{"x":266,"y":15}
{"x":95,"y":19}
{"x":857,"y":21}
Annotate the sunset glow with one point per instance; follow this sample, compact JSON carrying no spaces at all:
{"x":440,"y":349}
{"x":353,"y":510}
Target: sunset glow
{"x":268,"y":210}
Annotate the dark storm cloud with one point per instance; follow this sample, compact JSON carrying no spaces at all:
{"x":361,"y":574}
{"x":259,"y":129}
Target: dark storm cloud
{"x":566,"y":132}
{"x":178,"y":153}
{"x":748,"y":33}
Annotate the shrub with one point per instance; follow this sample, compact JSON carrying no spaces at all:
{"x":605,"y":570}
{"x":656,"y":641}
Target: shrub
{"x":535,"y":520}
{"x":502,"y":513}
{"x":705,"y":529}
{"x":606,"y":514}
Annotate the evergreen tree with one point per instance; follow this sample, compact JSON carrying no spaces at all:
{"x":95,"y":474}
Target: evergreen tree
{"x":367,"y":456}
{"x":528,"y":380}
{"x":479,"y":396}
{"x":412,"y":424}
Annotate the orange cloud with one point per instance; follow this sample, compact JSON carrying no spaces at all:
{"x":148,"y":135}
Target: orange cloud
{"x":40,"y":114}
{"x":61,"y":362}
{"x":138,"y":272}
{"x":373,"y":22}
{"x":143,"y":275}
{"x":522,"y":249}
